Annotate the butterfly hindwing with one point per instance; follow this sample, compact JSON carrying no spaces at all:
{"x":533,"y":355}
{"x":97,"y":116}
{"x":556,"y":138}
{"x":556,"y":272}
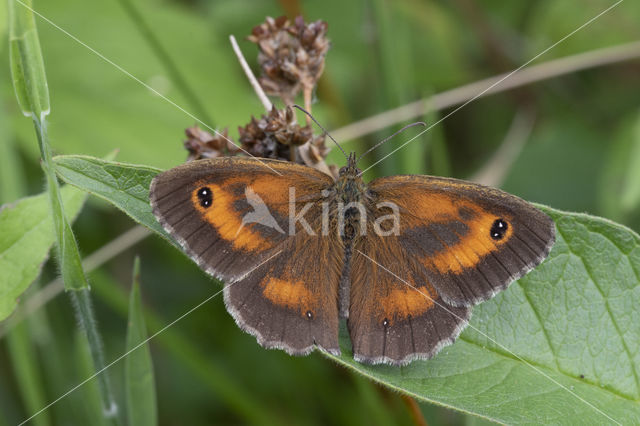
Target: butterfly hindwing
{"x":395,"y":314}
{"x":291,"y":302}
{"x":232,"y":216}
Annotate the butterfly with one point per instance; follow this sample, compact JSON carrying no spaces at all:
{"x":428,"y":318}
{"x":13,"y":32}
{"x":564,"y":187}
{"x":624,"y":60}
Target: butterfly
{"x":402,"y":258}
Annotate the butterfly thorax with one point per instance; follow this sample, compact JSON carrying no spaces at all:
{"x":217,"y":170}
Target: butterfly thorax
{"x":351,"y":199}
{"x":349,"y":186}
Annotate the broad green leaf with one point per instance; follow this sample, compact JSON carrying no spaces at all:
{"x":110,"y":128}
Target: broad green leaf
{"x":27,"y":65}
{"x":124,"y":185}
{"x":560,"y":346}
{"x":524,"y":355}
{"x":26,"y":235}
{"x":139,"y":381}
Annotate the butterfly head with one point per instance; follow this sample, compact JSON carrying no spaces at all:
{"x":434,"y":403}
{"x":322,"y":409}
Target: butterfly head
{"x":350,"y":170}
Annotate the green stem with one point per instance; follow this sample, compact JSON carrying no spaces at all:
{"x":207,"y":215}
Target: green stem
{"x":81,"y":300}
{"x":73,"y":274}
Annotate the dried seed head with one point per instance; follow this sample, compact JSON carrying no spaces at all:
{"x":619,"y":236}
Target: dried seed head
{"x":276,"y":134}
{"x":291,"y":55}
{"x":202,"y":144}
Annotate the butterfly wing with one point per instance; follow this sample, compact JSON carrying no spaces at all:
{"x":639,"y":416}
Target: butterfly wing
{"x":232,"y":216}
{"x":460,"y":243}
{"x":395,"y":314}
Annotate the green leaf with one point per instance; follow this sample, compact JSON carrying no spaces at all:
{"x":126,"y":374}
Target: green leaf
{"x":126,"y":186}
{"x":139,"y":380}
{"x":523,"y":356}
{"x":27,"y":65}
{"x":26,"y":235}
{"x":560,"y":346}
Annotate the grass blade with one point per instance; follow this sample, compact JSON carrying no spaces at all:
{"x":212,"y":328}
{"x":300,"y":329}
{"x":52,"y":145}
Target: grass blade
{"x":89,"y":399}
{"x":139,"y":379}
{"x":26,"y":371}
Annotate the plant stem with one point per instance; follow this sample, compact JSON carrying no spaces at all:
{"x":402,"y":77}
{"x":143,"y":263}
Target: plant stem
{"x":462,"y":94}
{"x":72,"y":271}
{"x":266,"y":103}
{"x":81,"y":300}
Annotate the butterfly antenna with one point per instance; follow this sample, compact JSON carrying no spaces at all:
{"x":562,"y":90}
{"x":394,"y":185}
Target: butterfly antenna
{"x":320,"y":125}
{"x":417,"y":123}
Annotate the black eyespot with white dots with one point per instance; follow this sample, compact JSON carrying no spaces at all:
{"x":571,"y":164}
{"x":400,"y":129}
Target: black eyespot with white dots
{"x":499,"y":229}
{"x":309,"y":315}
{"x":205,"y":196}
{"x":385,"y":323}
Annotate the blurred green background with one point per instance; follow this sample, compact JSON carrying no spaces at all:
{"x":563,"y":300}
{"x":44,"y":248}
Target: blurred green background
{"x":576,"y":140}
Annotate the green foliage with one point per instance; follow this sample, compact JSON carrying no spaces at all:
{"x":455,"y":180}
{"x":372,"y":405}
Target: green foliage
{"x":30,"y":84}
{"x":140,"y":385}
{"x":124,"y":185}
{"x":619,"y":188}
{"x":27,"y":66}
{"x":26,"y":370}
{"x":91,"y":410}
{"x":26,"y":235}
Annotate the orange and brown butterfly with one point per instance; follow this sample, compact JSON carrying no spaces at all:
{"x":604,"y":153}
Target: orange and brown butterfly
{"x":402,"y":258}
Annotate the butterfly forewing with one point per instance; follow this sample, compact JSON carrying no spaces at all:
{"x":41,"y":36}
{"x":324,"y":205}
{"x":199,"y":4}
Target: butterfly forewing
{"x":472,"y":240}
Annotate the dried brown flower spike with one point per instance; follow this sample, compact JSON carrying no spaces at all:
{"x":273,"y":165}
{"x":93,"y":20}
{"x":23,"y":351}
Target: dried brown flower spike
{"x":275,"y":136}
{"x":202,"y":144}
{"x":291,"y":56}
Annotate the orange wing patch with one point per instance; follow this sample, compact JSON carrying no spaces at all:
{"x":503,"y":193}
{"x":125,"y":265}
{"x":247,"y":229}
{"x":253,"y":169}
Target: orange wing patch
{"x":441,"y":208}
{"x":273,"y":190}
{"x":290,"y":294}
{"x":226,"y":221}
{"x":401,"y":303}
{"x":476,"y":244}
